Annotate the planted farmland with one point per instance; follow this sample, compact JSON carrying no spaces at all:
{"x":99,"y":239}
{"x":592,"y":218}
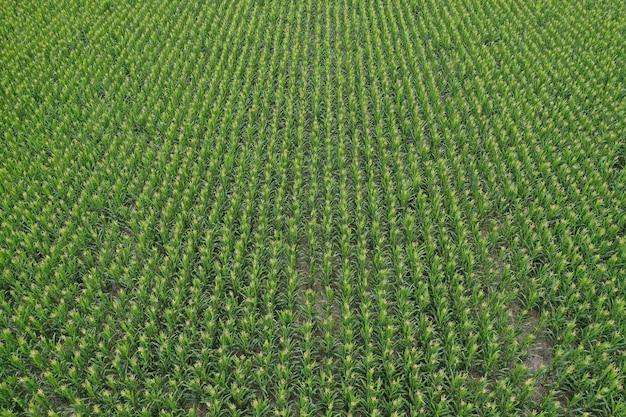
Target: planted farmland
{"x":306,"y":208}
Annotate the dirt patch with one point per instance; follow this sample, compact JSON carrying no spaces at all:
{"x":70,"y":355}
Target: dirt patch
{"x":59,"y":404}
{"x":319,"y":303}
{"x":202,"y":410}
{"x":196,"y":409}
{"x":541,"y":347}
{"x":114,"y":290}
{"x":496,"y":255}
{"x":536,"y":359}
{"x":539,"y":351}
{"x":485,"y":227}
{"x":311,"y":287}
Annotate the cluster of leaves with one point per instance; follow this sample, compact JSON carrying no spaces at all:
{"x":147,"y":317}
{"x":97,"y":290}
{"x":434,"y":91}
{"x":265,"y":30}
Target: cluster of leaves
{"x":312,"y":208}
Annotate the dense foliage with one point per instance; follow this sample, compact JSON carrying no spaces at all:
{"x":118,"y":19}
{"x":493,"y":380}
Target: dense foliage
{"x":309,"y":208}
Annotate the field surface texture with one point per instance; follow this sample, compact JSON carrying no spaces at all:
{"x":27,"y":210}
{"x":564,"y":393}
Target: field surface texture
{"x":313,"y":208}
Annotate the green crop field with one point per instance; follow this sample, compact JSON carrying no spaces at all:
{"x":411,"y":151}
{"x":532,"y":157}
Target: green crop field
{"x":313,"y":208}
